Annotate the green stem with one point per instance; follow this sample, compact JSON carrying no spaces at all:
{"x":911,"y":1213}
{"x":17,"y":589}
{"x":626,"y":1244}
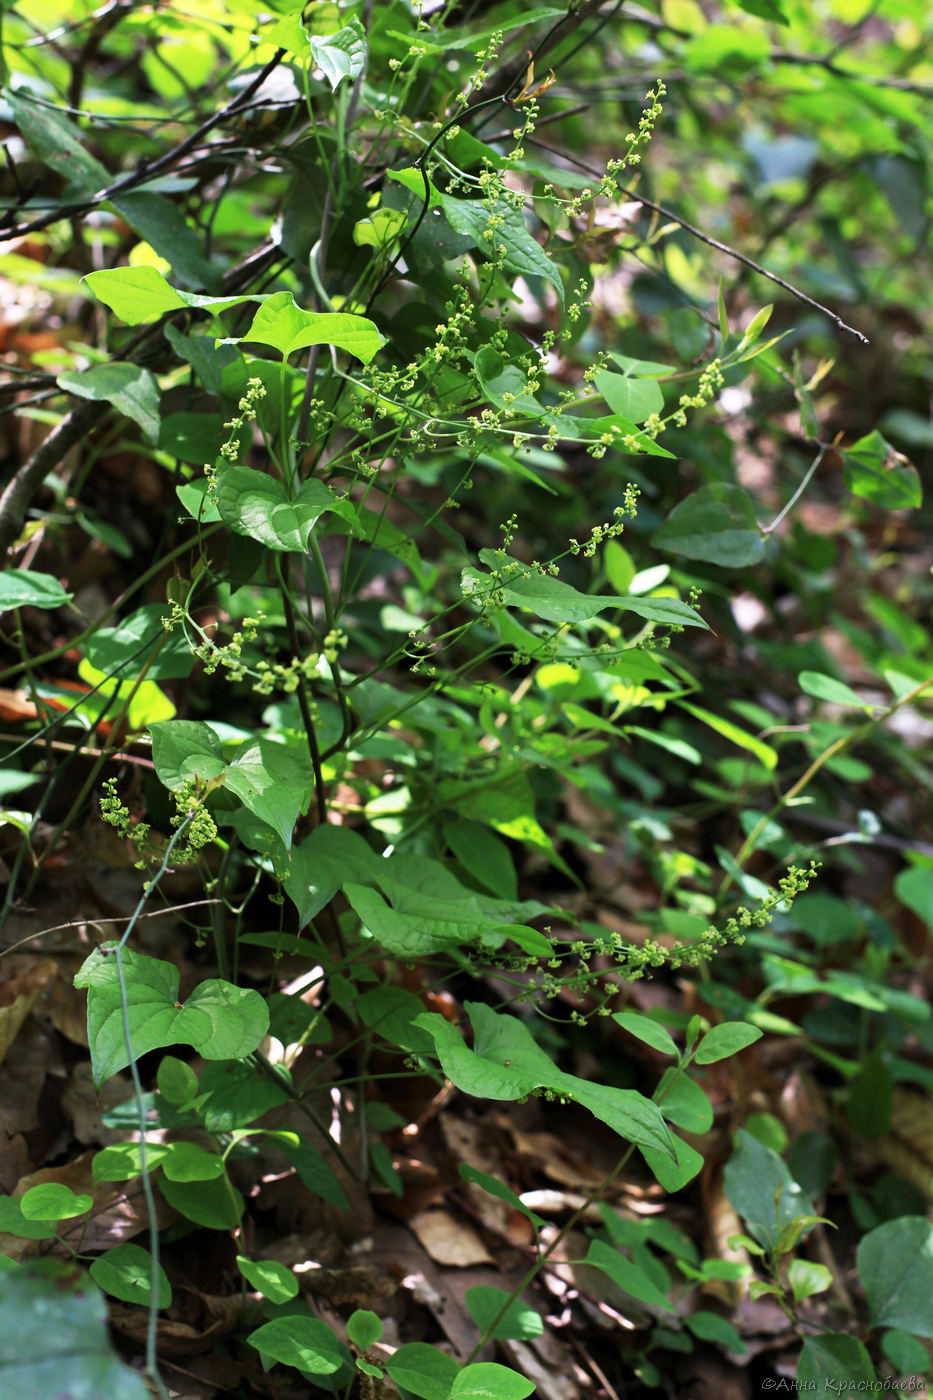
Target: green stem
{"x":845,"y":741}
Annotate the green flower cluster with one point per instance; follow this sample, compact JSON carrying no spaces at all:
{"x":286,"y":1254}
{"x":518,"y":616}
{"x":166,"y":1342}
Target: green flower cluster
{"x":629,"y":962}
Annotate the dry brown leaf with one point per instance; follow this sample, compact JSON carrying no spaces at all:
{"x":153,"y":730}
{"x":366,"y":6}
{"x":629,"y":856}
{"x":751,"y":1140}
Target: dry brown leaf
{"x":18,"y":995}
{"x":218,"y":1317}
{"x":118,"y":1214}
{"x":551,"y":1154}
{"x":908,"y":1148}
{"x":357,"y":1285}
{"x":449,"y":1241}
{"x":84,"y":1105}
{"x":722,"y":1223}
{"x":543,"y":1362}
{"x":67,"y":1007}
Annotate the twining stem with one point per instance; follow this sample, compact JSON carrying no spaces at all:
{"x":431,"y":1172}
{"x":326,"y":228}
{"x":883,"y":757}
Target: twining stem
{"x":303,"y":704}
{"x":152,"y":1360}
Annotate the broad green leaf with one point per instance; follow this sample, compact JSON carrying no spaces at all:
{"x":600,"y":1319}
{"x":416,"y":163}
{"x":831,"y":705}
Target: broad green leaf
{"x":423,"y":1370}
{"x":759,"y":1186}
{"x":504,"y":384}
{"x":162,"y":224}
{"x":216,"y":1204}
{"x":273,"y":781}
{"x":909,"y":1356}
{"x":132,"y":390}
{"x":178,"y":1083}
{"x":914,"y":888}
{"x":828,"y":688}
{"x":895,"y":1265}
{"x":198,"y":438}
{"x":835,"y":1361}
{"x":123,"y":1160}
{"x":626,"y":1274}
{"x":725,"y":1040}
{"x":556,"y":601}
{"x":311,"y":1167}
{"x":635,"y":398}
{"x":186,"y":1161}
{"x":341,"y":55}
{"x":220,"y":1021}
{"x":873,"y":470}
{"x":716,"y":524}
{"x":13,"y":1222}
{"x":57,"y":142}
{"x":487,"y":1380}
{"x":53,"y":1201}
{"x":391,"y":1012}
{"x":519,"y":1321}
{"x":148,"y":703}
{"x":674,"y":1174}
{"x":258,"y":505}
{"x":756,"y":326}
{"x":682,"y":1101}
{"x":423,"y":907}
{"x":234,"y":1095}
{"x":644,"y":1028}
{"x":323,"y":862}
{"x":21,"y":588}
{"x":500,"y":1191}
{"x":509,"y":239}
{"x":55,"y":1333}
{"x":184,"y":751}
{"x":124,"y":645}
{"x":140,"y":295}
{"x":710,"y":1327}
{"x":281,"y":323}
{"x":380,"y":230}
{"x":363,"y":1328}
{"x":125,"y":1272}
{"x":806,"y":1279}
{"x":507,"y":1063}
{"x":764,"y":9}
{"x":273,"y":1280}
{"x":301,"y":1341}
{"x":766,"y":755}
{"x":193,"y":496}
{"x":482,"y":853}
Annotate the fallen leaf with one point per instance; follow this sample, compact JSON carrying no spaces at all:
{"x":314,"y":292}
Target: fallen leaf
{"x":18,"y":995}
{"x":449,"y":1241}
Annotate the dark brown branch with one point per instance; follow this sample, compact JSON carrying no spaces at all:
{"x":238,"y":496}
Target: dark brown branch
{"x":147,"y":170}
{"x":15,"y":499}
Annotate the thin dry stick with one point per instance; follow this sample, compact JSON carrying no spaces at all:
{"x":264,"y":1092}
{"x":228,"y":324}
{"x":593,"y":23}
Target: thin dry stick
{"x":115,"y":919}
{"x":712,"y":242}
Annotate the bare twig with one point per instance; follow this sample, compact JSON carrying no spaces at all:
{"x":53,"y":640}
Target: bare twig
{"x":721,"y":247}
{"x":110,"y":919}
